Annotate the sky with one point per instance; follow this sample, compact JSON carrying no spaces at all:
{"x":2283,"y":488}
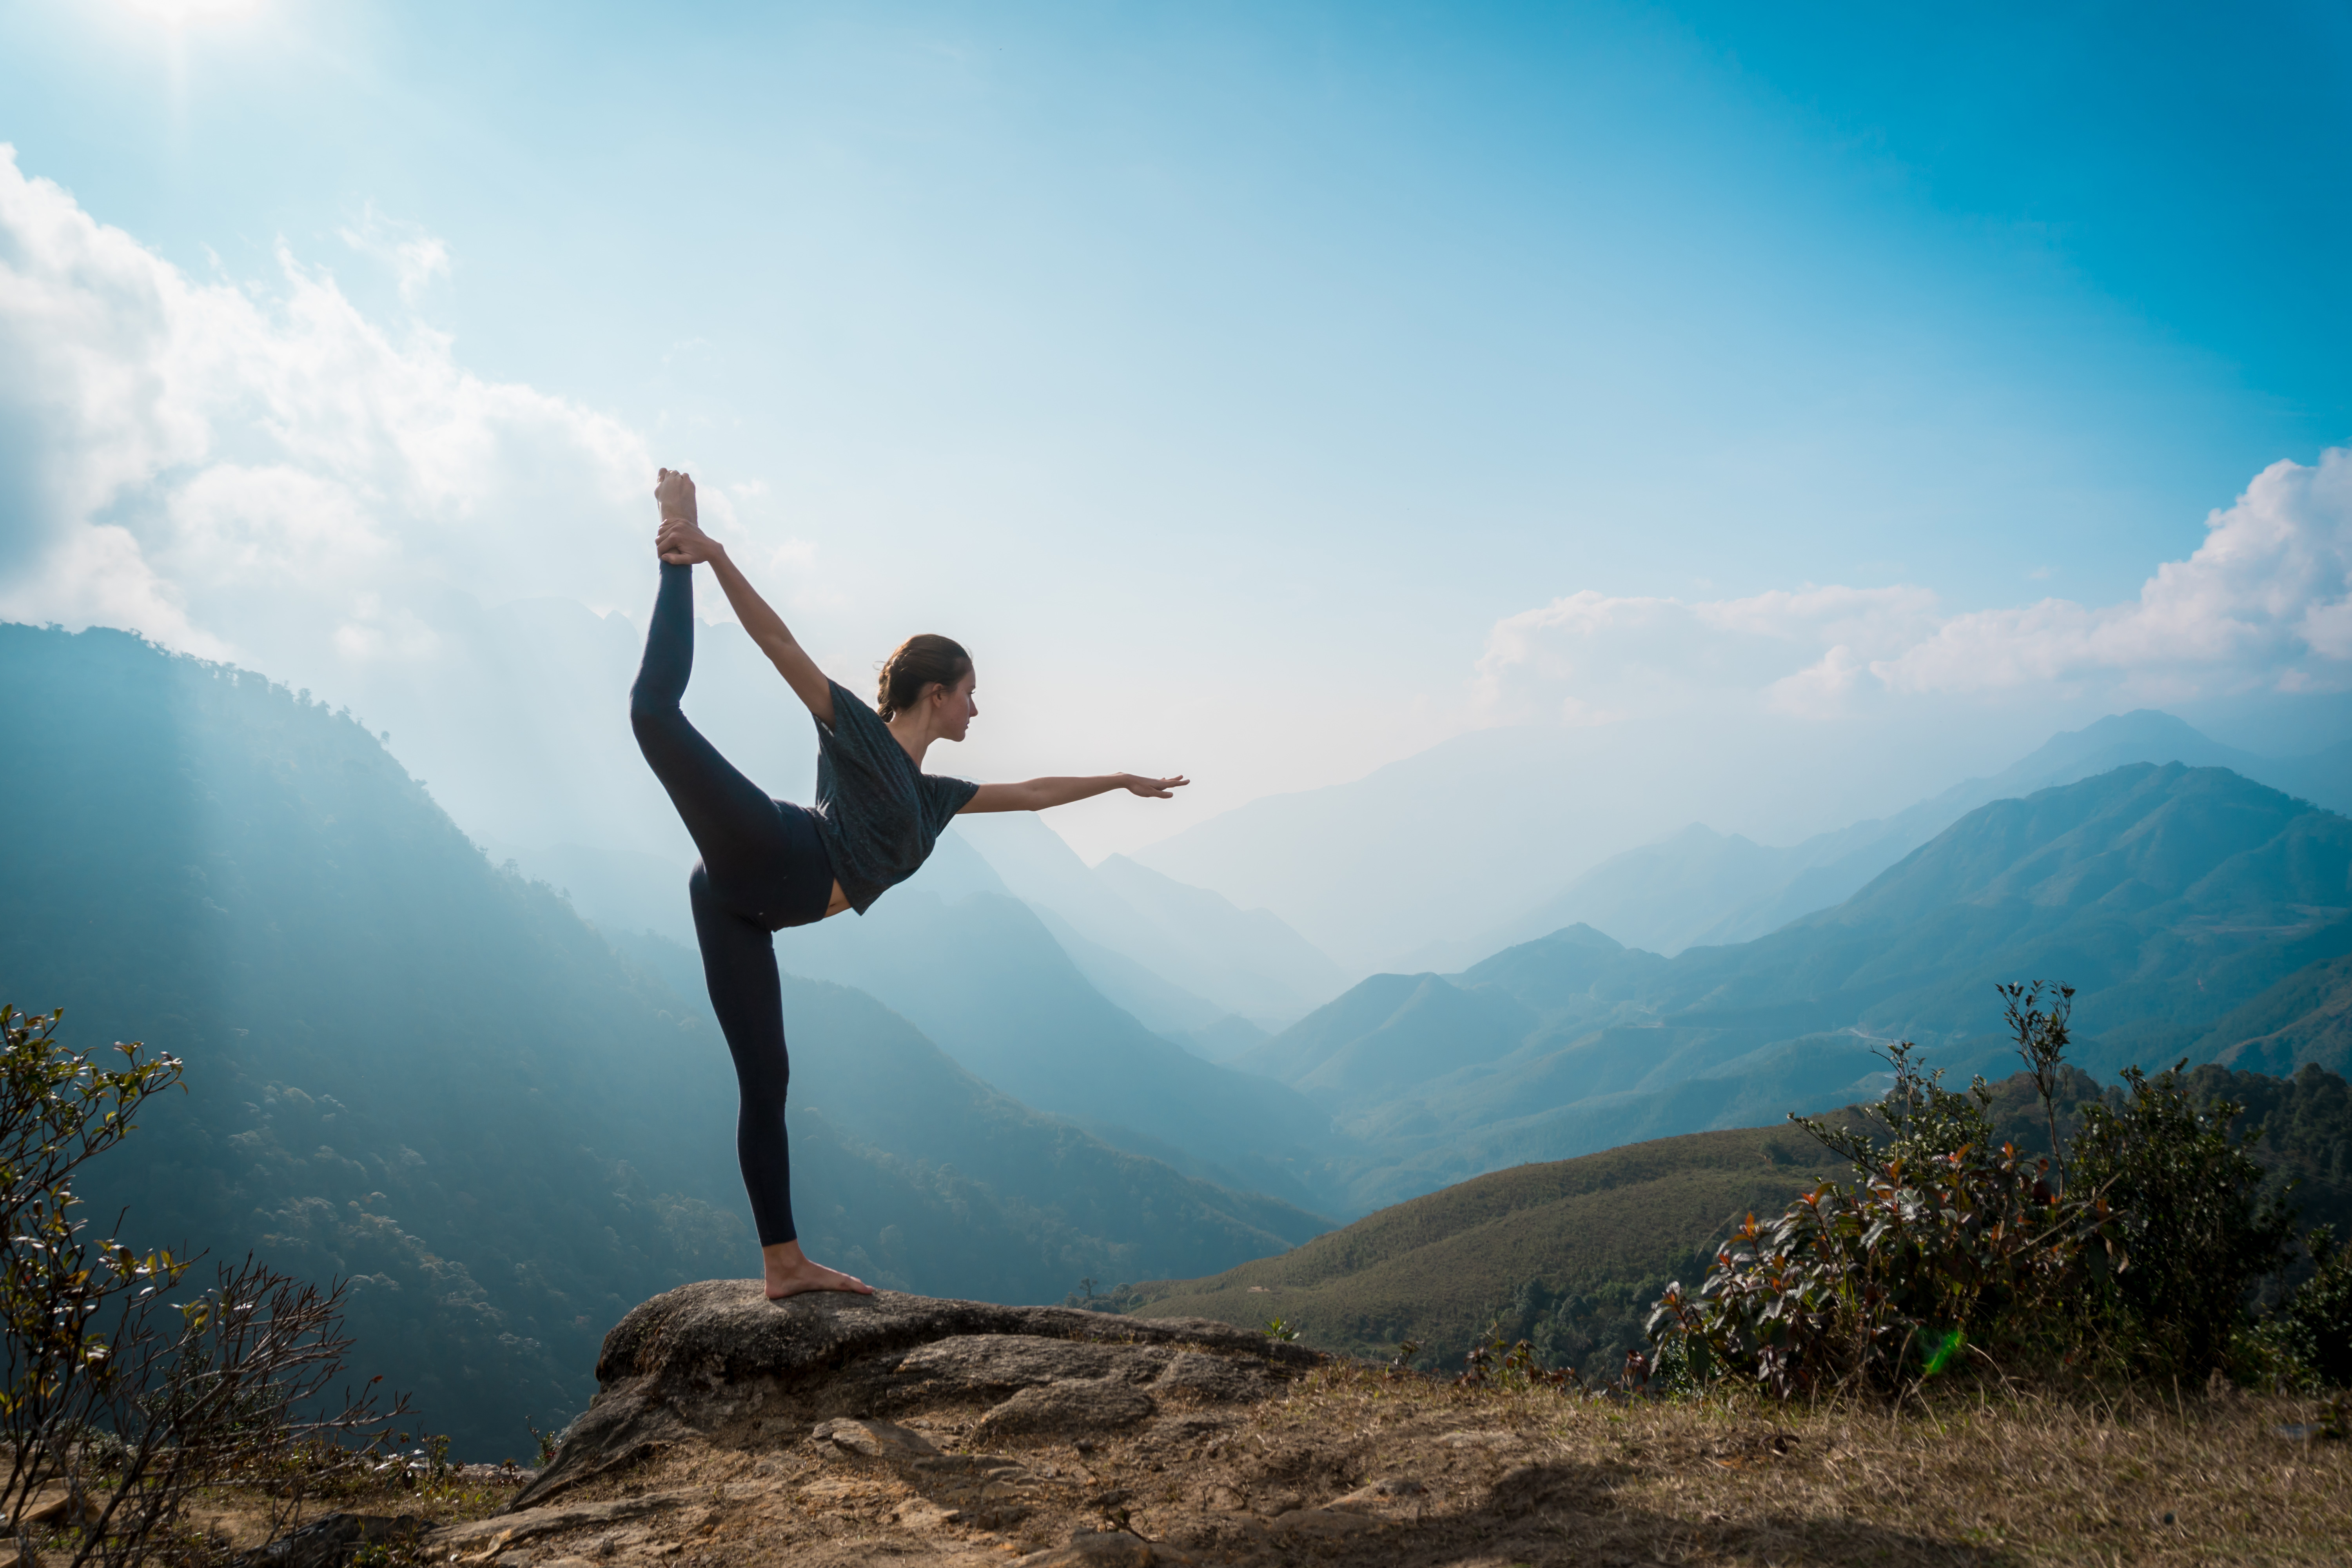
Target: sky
{"x":1267,"y":393}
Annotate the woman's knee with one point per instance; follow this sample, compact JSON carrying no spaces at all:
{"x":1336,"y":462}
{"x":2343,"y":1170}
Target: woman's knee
{"x":650,"y":713}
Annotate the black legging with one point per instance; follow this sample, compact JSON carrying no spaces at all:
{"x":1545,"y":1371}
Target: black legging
{"x":762,"y":868}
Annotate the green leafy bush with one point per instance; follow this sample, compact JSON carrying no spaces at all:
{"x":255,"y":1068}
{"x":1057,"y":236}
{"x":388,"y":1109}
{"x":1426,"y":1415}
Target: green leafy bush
{"x":2191,"y":1210}
{"x":2308,"y":1341}
{"x":127,"y":1400}
{"x":1941,"y":1246}
{"x":2136,"y":1246}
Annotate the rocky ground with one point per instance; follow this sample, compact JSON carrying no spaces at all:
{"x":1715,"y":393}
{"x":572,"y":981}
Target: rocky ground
{"x":903,"y":1430}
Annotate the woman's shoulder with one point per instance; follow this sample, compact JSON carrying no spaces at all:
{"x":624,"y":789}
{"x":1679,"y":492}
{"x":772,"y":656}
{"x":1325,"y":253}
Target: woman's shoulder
{"x":852,"y":713}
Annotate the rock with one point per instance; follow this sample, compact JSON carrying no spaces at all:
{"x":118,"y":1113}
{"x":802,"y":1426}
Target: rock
{"x":501,"y":1528}
{"x":998,"y":1364}
{"x":719,"y":1361}
{"x":1217,"y":1379}
{"x":1110,"y":1549}
{"x":979,"y":1488}
{"x":1073,"y":1405}
{"x":875,"y":1438}
{"x":1378,"y":1494}
{"x":922,"y":1514}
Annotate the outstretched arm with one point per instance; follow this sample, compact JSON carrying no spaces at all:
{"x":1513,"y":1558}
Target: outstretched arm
{"x":1037,"y":795}
{"x":682,"y":543}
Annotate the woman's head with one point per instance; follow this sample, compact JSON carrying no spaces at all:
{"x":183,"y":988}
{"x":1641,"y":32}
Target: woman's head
{"x":923,"y":668}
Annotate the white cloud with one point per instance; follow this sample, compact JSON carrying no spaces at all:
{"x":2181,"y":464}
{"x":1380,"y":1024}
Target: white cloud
{"x":175,"y":455}
{"x":415,"y":256}
{"x":2265,"y":603}
{"x":1593,"y":658}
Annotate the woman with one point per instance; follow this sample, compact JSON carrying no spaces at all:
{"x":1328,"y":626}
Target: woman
{"x":767,"y":864}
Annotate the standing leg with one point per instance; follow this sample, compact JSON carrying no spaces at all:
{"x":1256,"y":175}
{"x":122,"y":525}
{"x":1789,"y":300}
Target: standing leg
{"x":739,"y":965}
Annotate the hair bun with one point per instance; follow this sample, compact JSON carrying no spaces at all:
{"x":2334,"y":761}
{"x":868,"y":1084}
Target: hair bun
{"x":920,"y":661}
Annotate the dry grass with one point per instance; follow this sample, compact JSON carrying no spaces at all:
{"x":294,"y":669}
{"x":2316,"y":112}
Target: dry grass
{"x":2024,"y":1478}
{"x":1536,"y":1478}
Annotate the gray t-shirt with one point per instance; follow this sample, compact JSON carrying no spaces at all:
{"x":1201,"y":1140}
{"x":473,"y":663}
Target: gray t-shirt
{"x":878,"y":813}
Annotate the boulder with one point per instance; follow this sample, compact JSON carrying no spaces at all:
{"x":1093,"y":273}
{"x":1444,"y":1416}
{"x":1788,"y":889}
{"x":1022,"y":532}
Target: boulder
{"x":719,"y":1361}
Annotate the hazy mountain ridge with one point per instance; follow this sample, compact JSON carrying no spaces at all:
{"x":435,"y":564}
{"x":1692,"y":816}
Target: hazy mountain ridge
{"x":407,"y":1066}
{"x":1181,"y":961}
{"x":2168,"y":896}
{"x":1536,"y":824}
{"x":983,"y":976}
{"x":1699,"y":888}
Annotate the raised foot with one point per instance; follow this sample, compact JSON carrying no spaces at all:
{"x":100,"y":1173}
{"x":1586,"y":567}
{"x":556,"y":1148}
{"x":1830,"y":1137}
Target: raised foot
{"x":790,"y":1273}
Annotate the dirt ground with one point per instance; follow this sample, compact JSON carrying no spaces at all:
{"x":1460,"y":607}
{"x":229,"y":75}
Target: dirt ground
{"x":1352,"y":1467}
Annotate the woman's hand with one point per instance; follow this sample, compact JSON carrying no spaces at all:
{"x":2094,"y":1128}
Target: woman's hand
{"x":1157,"y":789}
{"x":675,"y":491}
{"x":682,"y":543}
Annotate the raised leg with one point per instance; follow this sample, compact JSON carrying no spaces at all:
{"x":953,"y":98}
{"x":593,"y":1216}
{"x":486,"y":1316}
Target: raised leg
{"x":731,"y":820}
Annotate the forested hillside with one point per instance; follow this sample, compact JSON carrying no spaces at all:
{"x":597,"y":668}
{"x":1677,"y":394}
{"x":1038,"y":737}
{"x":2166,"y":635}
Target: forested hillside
{"x":407,"y":1066}
{"x":1570,"y":1254}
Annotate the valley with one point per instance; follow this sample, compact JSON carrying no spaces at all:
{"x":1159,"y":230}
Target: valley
{"x":416,"y":1068}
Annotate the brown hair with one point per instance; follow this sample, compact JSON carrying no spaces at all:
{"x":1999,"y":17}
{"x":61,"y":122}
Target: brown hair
{"x":920,"y":660}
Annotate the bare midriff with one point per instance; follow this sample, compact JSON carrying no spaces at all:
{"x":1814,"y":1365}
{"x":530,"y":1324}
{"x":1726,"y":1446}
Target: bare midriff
{"x":840,"y":901}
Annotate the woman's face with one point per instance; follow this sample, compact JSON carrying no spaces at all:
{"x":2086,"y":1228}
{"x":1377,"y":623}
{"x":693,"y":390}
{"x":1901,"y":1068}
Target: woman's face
{"x":956,"y":709}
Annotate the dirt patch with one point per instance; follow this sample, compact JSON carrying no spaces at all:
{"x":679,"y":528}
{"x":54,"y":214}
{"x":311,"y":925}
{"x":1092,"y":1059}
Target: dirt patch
{"x":1347,"y":1466}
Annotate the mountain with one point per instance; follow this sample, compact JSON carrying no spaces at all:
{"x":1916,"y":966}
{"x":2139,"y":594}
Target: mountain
{"x":2168,"y":896}
{"x":1196,"y":943}
{"x":412,"y":1069}
{"x":2306,"y":1018}
{"x":983,"y":976}
{"x":1700,"y":887}
{"x":1445,"y":856}
{"x":1604,"y":1232}
{"x":866,"y":1080}
{"x":1181,"y":961}
{"x":1431,"y":845}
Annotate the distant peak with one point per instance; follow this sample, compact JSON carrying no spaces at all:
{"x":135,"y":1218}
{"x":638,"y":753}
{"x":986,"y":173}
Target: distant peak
{"x":1582,"y":935}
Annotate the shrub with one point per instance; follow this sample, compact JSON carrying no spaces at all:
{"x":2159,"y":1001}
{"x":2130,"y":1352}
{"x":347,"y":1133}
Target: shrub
{"x":2312,"y":1331}
{"x":128,"y":1400}
{"x":1941,"y":1246}
{"x":2137,"y":1245}
{"x":2191,"y":1213}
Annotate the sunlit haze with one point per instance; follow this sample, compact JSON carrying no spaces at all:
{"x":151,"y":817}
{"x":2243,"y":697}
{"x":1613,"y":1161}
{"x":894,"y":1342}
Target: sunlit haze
{"x":1823,"y":404}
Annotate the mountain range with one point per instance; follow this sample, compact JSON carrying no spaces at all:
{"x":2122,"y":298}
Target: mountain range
{"x":2169,"y":896}
{"x":409,"y":1068}
{"x":1500,"y":835}
{"x":428,"y":1073}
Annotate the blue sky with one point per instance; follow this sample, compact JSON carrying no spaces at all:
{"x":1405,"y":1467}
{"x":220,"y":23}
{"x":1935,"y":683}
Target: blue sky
{"x":1227,"y":376}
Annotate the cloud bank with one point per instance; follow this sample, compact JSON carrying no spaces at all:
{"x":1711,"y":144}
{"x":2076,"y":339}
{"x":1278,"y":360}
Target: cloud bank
{"x":2263,"y":605}
{"x":227,"y":467}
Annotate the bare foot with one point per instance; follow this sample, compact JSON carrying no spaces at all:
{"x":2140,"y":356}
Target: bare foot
{"x":790,"y":1272}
